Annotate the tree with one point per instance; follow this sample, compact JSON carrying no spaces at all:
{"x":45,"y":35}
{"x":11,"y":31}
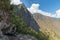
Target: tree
{"x":4,"y":4}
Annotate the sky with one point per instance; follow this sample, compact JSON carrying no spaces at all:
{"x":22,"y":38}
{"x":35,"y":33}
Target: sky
{"x":45,"y":7}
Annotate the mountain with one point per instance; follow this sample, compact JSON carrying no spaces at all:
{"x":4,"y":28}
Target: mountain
{"x":27,"y":16}
{"x":12,"y":26}
{"x":48,"y":24}
{"x":17,"y":23}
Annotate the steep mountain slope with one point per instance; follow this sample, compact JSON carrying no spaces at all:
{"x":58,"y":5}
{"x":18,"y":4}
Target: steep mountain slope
{"x":48,"y":24}
{"x":27,"y":16}
{"x":16,"y":23}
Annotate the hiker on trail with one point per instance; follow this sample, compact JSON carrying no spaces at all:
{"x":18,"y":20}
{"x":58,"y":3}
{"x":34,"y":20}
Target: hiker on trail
{"x":14,"y":29}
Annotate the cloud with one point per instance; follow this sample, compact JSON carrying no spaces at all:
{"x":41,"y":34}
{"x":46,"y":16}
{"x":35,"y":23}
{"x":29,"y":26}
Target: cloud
{"x":35,"y":9}
{"x":16,"y":2}
{"x":58,"y":13}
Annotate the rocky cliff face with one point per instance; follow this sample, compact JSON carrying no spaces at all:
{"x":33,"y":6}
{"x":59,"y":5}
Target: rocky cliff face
{"x":28,"y":18}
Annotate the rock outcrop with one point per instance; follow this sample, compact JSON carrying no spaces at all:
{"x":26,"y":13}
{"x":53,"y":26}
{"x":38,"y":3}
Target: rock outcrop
{"x":27,"y":16}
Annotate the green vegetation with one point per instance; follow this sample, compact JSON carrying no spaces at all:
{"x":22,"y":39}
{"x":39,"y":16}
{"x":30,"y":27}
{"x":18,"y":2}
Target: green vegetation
{"x":22,"y":28}
{"x":19,"y":22}
{"x":4,"y":4}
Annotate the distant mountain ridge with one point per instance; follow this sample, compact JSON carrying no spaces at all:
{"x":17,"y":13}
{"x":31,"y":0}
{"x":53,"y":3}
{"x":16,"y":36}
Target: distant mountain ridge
{"x":46,"y":22}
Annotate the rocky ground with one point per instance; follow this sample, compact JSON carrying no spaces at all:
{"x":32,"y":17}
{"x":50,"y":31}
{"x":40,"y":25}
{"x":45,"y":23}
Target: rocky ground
{"x":17,"y":37}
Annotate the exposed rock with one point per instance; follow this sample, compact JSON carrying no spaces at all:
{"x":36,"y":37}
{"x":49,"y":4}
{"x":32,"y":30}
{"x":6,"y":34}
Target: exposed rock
{"x":27,"y":16}
{"x":18,"y":37}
